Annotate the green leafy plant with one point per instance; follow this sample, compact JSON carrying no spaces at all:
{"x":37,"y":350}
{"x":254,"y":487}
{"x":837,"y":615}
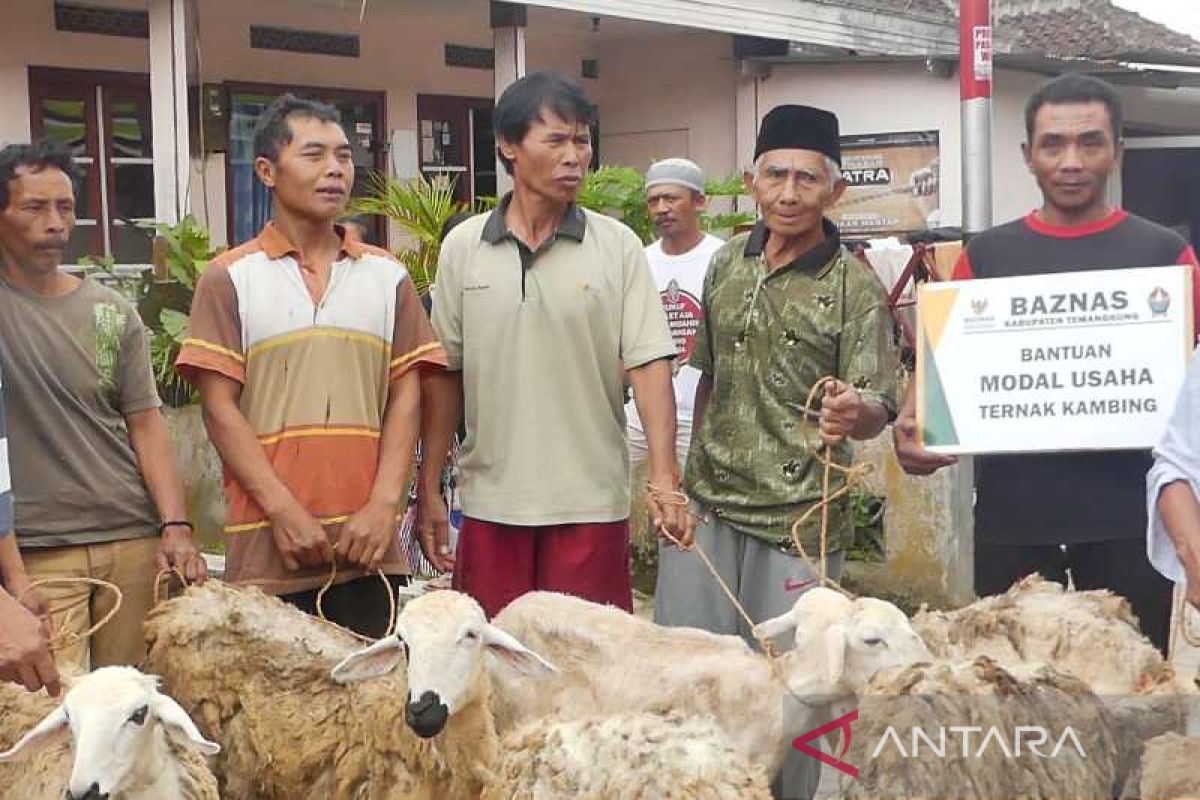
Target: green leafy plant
{"x":866,"y":512}
{"x":165,"y":304}
{"x":421,"y":207}
{"x":620,"y":192}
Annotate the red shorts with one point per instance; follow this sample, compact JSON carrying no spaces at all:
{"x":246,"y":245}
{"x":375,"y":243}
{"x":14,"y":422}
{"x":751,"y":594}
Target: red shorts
{"x":497,"y":563}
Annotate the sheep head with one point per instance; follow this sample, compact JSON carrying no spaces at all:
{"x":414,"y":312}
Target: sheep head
{"x":840,"y":643}
{"x":445,"y":638}
{"x":115,"y":719}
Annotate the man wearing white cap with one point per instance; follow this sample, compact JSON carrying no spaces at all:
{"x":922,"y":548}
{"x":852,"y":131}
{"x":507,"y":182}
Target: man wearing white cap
{"x":679,"y":261}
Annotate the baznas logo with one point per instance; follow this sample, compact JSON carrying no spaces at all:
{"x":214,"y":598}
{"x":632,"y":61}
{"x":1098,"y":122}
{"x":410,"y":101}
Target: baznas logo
{"x":1160,"y":301}
{"x":979,"y":305}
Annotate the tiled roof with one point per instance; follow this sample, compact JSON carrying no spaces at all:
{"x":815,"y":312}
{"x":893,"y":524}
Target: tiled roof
{"x":1094,"y":28}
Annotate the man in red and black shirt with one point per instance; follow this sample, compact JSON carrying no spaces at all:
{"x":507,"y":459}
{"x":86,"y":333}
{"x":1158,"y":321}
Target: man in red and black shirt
{"x":1083,"y":512}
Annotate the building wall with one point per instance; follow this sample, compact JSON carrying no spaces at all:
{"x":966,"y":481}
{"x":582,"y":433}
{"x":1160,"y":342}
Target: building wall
{"x":679,"y":102}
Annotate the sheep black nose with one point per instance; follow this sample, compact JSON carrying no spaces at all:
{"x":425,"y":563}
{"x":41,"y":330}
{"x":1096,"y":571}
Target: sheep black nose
{"x":93,"y":793}
{"x":426,"y":716}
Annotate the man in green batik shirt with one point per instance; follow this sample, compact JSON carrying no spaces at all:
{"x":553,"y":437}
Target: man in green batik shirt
{"x":784,"y":306}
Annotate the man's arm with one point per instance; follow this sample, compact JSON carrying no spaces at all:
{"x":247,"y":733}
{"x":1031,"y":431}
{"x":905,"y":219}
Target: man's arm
{"x":441,"y":408}
{"x":155,"y":453}
{"x":912,"y":455}
{"x":366,"y":535}
{"x":655,"y":399}
{"x":24,"y":651}
{"x":299,"y":537}
{"x":1180,"y":514}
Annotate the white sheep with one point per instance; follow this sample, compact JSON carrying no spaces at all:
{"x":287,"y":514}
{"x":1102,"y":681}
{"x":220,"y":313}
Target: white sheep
{"x":1039,"y":622}
{"x":973,"y":730}
{"x":1091,"y":635}
{"x":608,"y":662}
{"x":127,"y":741}
{"x":624,"y":757}
{"x":255,"y":674}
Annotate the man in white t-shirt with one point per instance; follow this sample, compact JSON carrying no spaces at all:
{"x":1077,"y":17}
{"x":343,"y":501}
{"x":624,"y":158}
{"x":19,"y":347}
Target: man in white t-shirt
{"x":679,"y":261}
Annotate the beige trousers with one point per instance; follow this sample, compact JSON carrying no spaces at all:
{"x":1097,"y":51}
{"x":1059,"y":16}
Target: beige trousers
{"x":76,"y":607}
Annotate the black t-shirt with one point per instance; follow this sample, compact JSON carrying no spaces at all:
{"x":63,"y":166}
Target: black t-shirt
{"x":1064,"y":498}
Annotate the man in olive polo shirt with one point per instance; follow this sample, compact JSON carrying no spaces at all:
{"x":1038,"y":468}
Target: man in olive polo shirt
{"x":541,"y":306}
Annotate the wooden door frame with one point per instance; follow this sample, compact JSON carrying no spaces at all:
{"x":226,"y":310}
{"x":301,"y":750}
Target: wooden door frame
{"x":46,"y":81}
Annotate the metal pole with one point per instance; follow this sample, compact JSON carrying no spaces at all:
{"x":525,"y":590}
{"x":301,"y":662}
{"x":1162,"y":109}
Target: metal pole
{"x":975,"y":83}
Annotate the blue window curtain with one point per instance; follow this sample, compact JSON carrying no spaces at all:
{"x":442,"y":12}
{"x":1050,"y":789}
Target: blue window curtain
{"x":251,"y":200}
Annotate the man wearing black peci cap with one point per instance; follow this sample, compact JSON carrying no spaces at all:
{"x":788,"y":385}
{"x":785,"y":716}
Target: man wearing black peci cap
{"x":784,"y":306}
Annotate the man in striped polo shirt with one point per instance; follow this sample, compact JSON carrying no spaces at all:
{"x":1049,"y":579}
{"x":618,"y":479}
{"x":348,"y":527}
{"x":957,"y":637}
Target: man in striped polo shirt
{"x":24,"y":651}
{"x":306,"y":347}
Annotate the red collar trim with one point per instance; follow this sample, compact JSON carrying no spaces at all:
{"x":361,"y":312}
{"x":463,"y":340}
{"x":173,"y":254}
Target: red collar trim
{"x":1114,"y":219}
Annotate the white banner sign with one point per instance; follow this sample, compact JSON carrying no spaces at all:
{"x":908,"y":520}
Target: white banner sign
{"x":1071,"y":361}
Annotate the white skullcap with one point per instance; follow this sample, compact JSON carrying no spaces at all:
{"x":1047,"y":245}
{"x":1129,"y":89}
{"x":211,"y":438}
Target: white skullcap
{"x":678,"y":171}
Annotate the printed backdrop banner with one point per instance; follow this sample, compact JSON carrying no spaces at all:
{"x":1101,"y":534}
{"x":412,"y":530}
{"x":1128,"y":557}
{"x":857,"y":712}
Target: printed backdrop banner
{"x":1072,"y":361}
{"x":892,"y":184}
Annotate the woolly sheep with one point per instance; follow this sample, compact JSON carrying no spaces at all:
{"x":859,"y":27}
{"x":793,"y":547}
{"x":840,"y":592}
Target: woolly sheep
{"x":1091,"y":635}
{"x":1171,"y":768}
{"x":613,"y":662}
{"x":1037,"y":621}
{"x":255,"y":674}
{"x":130,"y":742}
{"x":624,"y":757}
{"x":1038,"y":734}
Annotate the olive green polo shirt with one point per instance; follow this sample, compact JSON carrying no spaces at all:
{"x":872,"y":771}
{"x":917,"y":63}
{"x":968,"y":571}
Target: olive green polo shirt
{"x":765,"y":339}
{"x":542,"y":338}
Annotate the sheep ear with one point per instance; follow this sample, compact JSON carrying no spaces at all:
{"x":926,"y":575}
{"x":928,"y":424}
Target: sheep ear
{"x":777,"y":626}
{"x":179,"y":726}
{"x":47,"y":733}
{"x":371,"y":662}
{"x":835,"y":652}
{"x":508,"y":651}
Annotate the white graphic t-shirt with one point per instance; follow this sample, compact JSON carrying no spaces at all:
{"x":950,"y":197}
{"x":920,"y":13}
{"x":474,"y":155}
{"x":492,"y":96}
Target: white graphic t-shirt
{"x":680,"y":282}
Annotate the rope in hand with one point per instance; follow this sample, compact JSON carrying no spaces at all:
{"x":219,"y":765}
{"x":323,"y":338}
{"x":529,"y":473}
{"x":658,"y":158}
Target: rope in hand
{"x":60,"y":640}
{"x":854,"y":476}
{"x":167,"y":572}
{"x":679,"y":499}
{"x":391,"y":604}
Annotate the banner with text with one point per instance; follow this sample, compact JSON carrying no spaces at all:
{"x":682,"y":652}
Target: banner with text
{"x":1072,"y":361}
{"x":892,"y":184}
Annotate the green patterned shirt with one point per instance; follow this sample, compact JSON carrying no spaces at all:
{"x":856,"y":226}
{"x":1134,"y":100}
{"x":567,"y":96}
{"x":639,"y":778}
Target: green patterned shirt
{"x":765,"y":339}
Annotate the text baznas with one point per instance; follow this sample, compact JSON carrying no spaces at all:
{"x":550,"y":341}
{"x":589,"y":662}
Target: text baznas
{"x":1069,"y":303}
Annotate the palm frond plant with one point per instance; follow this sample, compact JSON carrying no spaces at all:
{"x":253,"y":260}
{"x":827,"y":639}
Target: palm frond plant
{"x":421,"y":208}
{"x":620,"y":192}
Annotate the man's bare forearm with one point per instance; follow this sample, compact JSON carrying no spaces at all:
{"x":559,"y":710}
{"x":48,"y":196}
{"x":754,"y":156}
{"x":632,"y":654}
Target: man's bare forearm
{"x":398,"y":439}
{"x":441,"y":408}
{"x":655,"y":398}
{"x":151,"y":441}
{"x":1180,"y":512}
{"x":12,"y":569}
{"x":871,"y":422}
{"x":238,"y":446}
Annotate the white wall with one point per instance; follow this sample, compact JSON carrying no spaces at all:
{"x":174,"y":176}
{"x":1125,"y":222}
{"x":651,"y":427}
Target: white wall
{"x":14,"y":99}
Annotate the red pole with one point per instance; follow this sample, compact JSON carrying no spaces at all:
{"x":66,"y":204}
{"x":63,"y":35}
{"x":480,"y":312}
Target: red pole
{"x":975,"y":81}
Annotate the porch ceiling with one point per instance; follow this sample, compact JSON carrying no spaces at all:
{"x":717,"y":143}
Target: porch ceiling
{"x":832,"y":23}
